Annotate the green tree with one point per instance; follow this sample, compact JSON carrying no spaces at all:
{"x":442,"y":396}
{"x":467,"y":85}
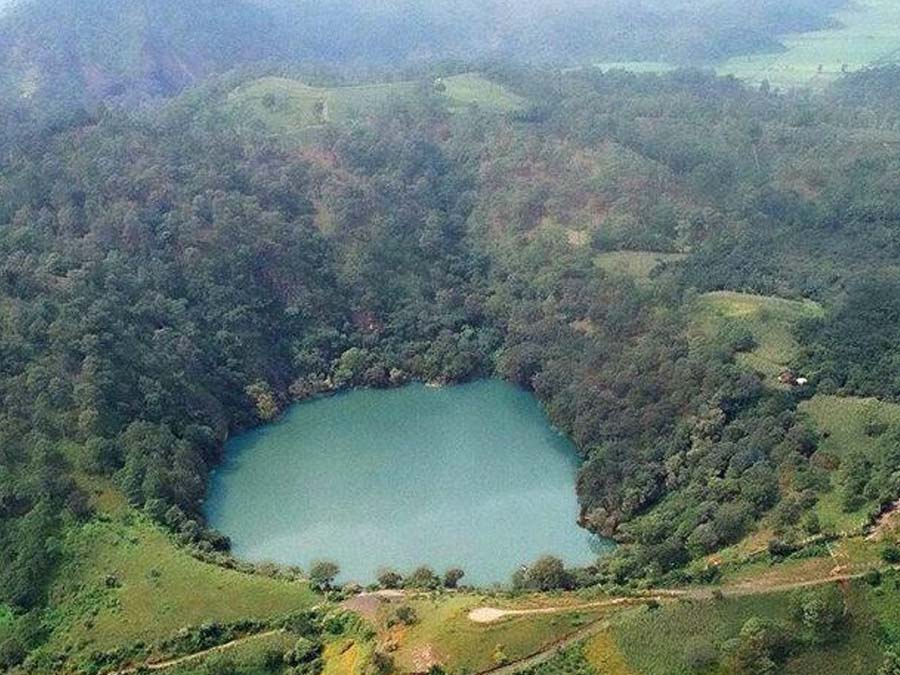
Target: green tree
{"x":323,"y":573}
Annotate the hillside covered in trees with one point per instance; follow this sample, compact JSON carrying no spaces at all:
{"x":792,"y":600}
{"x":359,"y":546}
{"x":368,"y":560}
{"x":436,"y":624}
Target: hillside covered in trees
{"x":696,"y":278}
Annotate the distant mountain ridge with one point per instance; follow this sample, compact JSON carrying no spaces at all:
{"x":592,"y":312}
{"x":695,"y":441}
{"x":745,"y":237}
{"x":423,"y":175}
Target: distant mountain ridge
{"x":65,"y":53}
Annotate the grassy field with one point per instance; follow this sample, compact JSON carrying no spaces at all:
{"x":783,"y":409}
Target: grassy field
{"x":769,"y":320}
{"x":285,"y":107}
{"x":842,"y":423}
{"x":656,"y":642}
{"x":247,"y":658}
{"x":473,"y":89}
{"x":635,"y":264}
{"x":868,"y":34}
{"x":603,"y":654}
{"x":445,"y":632}
{"x":124,"y":581}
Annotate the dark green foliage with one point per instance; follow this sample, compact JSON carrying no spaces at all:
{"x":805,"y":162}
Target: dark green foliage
{"x":452,"y":577}
{"x":819,"y":613}
{"x":422,"y":578}
{"x":323,"y":573}
{"x":569,"y":661}
{"x":545,"y":574}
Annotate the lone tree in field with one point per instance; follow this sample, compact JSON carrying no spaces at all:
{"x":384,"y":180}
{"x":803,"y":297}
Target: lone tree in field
{"x":322,"y":574}
{"x":452,"y":577}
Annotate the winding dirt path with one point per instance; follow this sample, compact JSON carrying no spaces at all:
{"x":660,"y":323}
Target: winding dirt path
{"x":550,"y":651}
{"x":171,"y":663}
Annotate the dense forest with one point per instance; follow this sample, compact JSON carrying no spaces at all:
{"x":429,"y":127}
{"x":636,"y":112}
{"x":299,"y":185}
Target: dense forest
{"x":172,"y":273}
{"x":166,"y":281}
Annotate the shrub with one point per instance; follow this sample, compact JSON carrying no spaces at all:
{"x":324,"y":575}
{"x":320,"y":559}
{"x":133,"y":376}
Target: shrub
{"x":890,"y":553}
{"x":452,"y":577}
{"x":406,"y":615}
{"x":389,"y":579}
{"x":322,"y":574}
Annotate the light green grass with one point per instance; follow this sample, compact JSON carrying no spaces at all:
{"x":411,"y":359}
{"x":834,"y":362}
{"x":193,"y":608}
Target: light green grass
{"x":655,"y":642}
{"x":770,"y":320}
{"x":289,"y":108}
{"x":869,"y":34}
{"x":474,"y":89}
{"x":636,"y":66}
{"x":842,"y":424}
{"x":283,"y":106}
{"x":635,"y":264}
{"x":463,"y":645}
{"x":6,"y":621}
{"x":158,"y":589}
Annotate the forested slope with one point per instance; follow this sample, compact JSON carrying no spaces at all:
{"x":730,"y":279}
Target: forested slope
{"x":166,"y":279}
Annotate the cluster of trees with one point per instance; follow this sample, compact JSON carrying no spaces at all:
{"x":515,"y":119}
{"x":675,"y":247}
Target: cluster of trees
{"x":817,"y":617}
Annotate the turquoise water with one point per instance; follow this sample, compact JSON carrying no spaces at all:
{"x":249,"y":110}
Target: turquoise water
{"x":470,"y":476}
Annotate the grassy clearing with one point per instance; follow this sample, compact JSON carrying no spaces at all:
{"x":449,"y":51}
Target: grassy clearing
{"x":124,"y":581}
{"x":844,"y":425}
{"x":283,"y":106}
{"x":474,"y":89}
{"x":771,"y":322}
{"x":656,"y":642}
{"x":868,"y":34}
{"x":638,"y":265}
{"x":289,"y":108}
{"x":347,"y":656}
{"x":445,"y":632}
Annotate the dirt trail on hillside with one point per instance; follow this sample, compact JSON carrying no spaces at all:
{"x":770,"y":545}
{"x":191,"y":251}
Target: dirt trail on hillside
{"x":742,"y":589}
{"x":171,"y":663}
{"x":491,"y":614}
{"x":550,"y":651}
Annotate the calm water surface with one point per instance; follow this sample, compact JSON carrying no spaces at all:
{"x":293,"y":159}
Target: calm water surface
{"x":470,"y":476}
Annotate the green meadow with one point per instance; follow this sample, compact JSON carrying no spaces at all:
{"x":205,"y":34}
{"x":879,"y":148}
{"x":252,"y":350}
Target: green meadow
{"x":474,"y":89}
{"x":638,"y":265}
{"x":125,"y":582}
{"x":285,"y":107}
{"x":868,"y":33}
{"x":769,"y":320}
{"x":844,"y":425}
